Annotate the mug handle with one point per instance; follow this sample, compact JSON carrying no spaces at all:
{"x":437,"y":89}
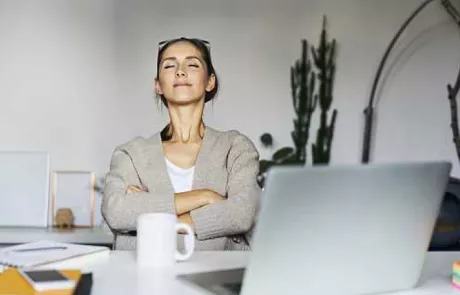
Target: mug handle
{"x":190,"y":247}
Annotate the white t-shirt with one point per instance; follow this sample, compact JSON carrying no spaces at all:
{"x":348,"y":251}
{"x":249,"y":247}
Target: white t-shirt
{"x":182,"y":179}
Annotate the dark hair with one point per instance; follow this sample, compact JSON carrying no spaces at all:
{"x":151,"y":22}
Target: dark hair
{"x":203,"y":47}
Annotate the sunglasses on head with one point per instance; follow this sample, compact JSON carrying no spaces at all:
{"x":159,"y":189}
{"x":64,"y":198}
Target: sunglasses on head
{"x":166,"y":42}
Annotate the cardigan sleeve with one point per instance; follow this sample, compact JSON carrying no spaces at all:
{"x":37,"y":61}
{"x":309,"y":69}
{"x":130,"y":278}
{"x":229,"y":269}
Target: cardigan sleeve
{"x":236,"y":214}
{"x":119,"y":208}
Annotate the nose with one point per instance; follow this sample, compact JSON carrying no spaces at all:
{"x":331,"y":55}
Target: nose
{"x":180,"y":73}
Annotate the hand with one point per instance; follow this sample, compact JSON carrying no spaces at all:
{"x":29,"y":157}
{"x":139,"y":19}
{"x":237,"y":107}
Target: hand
{"x":135,"y":189}
{"x":212,"y":197}
{"x":185,"y":218}
{"x":191,"y":200}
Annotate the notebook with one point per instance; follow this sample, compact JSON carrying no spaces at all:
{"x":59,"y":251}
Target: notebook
{"x":44,"y":252}
{"x":12,"y":283}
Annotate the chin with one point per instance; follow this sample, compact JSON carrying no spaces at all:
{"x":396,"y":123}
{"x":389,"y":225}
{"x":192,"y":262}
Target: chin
{"x":184,"y":100}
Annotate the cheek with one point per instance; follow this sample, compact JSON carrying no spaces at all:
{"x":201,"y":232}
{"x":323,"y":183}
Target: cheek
{"x":166,"y":81}
{"x":199,"y":79}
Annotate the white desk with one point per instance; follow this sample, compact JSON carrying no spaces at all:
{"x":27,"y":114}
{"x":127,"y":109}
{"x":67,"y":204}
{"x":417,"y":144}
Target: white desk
{"x":118,"y":274}
{"x":18,"y":235}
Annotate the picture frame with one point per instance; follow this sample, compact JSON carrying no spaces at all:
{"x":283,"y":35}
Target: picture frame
{"x":75,"y":190}
{"x":24,"y":188}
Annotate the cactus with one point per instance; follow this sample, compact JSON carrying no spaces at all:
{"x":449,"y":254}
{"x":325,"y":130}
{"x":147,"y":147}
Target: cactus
{"x":305,"y":98}
{"x":324,"y":59}
{"x":304,"y":101}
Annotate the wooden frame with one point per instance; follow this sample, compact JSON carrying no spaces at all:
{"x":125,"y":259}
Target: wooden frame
{"x":77,"y":192}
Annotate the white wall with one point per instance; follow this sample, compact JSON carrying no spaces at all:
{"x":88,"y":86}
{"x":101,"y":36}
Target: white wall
{"x":413,"y":116}
{"x":57,"y":80}
{"x":254,"y":46}
{"x":76,"y":76}
{"x":412,"y":120}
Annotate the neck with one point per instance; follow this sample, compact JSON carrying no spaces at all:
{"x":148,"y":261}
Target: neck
{"x":187,"y":122}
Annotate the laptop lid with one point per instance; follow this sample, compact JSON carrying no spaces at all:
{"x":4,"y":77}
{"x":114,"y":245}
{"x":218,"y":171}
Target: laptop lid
{"x":349,"y":229}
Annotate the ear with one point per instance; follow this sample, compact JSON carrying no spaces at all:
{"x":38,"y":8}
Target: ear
{"x":157,"y":87}
{"x":211,"y":83}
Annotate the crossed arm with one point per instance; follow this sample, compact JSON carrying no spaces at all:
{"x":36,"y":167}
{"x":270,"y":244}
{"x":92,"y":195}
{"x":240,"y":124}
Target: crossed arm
{"x":185,"y":202}
{"x":210,"y":215}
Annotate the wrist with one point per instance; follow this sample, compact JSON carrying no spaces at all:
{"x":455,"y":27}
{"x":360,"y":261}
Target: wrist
{"x":206,"y":197}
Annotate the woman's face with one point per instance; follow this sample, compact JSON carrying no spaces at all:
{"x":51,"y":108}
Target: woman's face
{"x":183,"y":77}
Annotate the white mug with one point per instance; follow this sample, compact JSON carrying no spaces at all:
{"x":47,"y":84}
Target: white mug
{"x":157,"y":240}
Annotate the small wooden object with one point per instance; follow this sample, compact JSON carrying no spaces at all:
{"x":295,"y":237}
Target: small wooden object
{"x":64,"y":218}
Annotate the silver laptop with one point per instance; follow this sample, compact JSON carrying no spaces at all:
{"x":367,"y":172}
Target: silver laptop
{"x":349,"y":229}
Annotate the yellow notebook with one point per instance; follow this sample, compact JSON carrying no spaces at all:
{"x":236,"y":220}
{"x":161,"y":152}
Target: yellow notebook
{"x":12,"y":283}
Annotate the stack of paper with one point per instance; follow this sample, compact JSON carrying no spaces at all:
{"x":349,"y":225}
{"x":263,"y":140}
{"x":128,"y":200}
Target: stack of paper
{"x":40,"y":253}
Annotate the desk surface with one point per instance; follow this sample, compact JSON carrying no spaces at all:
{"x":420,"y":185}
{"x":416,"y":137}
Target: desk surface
{"x":119,"y":274}
{"x":18,"y":235}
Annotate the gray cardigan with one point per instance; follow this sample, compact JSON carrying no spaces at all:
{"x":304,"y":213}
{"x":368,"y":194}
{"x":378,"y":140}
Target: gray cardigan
{"x":227,"y":163}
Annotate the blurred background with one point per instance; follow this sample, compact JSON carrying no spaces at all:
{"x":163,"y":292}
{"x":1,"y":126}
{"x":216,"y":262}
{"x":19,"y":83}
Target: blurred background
{"x":76,"y":76}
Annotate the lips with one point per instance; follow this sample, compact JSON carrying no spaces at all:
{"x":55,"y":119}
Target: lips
{"x":182,"y":84}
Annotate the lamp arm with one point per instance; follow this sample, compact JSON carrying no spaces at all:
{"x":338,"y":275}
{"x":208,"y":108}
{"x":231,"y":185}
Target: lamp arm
{"x":452,"y":11}
{"x":369,"y":111}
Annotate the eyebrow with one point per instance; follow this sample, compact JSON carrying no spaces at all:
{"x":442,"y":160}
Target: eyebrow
{"x":187,"y":57}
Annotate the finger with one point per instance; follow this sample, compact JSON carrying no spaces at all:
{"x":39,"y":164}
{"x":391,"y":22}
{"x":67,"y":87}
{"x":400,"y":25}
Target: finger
{"x":134,"y":189}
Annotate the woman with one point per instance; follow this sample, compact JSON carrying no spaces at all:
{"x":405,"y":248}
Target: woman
{"x":204,"y":176}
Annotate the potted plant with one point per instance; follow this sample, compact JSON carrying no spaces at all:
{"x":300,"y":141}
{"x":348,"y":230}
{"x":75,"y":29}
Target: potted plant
{"x":312,"y":81}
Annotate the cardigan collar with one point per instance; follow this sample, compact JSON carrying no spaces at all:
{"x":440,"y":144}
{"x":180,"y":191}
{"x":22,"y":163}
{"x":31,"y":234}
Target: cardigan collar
{"x":153,"y":168}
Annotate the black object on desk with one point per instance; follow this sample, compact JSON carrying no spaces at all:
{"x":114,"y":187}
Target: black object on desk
{"x":84,"y":284}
